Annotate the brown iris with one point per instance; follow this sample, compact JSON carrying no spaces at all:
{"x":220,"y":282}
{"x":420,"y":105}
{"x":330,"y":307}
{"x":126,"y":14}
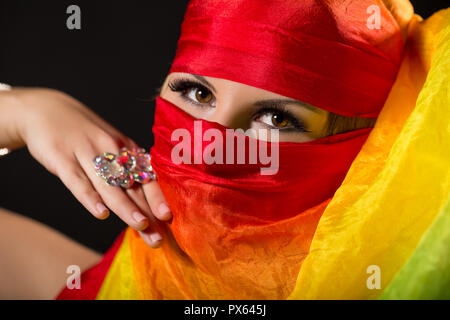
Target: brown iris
{"x":203,"y":96}
{"x":279,"y":121}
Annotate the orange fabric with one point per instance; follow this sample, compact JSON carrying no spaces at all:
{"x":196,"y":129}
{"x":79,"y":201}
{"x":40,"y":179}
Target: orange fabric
{"x":167,"y":273}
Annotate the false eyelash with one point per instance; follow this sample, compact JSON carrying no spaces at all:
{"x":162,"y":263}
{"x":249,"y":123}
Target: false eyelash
{"x":178,"y":85}
{"x":298,"y":124}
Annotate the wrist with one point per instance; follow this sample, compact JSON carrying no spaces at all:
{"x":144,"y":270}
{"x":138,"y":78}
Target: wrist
{"x":11,"y":113}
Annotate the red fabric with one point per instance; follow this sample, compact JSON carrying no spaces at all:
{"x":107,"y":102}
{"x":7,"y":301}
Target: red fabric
{"x":308,"y":173}
{"x":92,"y":278}
{"x":237,"y":233}
{"x":320,"y":52}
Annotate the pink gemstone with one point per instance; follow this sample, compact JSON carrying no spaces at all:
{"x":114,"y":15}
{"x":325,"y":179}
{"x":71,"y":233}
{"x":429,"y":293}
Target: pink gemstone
{"x":143,"y":162}
{"x":138,"y":163}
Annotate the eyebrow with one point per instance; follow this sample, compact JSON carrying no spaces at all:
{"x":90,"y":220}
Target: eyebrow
{"x":279,"y":103}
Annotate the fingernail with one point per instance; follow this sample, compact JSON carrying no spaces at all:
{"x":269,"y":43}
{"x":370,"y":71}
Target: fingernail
{"x":138,"y":216}
{"x":164,"y":209}
{"x":155,"y":237}
{"x":102,"y":210}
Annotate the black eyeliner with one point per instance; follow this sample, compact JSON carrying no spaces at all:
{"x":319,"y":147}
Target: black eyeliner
{"x":298,"y":124}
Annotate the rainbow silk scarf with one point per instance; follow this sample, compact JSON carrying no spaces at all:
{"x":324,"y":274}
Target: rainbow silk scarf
{"x":389,"y":218}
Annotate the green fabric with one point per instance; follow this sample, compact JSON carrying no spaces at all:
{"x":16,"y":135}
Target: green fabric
{"x":426,"y":275}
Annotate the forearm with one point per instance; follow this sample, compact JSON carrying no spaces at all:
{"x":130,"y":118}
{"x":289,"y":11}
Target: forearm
{"x":11,"y":110}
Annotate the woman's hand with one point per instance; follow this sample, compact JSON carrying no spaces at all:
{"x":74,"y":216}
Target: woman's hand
{"x":65,"y":136}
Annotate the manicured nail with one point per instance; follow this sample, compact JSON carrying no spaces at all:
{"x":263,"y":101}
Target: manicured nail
{"x":164,"y":209}
{"x":102,"y":210}
{"x":155,"y":237}
{"x":138,"y":216}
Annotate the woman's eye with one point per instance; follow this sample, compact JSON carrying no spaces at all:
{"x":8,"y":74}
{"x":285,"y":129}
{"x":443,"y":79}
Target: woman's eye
{"x":192,"y":91}
{"x":200,"y":95}
{"x":277,"y":120}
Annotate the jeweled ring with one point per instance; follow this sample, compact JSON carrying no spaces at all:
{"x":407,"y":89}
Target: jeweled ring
{"x":126,"y":168}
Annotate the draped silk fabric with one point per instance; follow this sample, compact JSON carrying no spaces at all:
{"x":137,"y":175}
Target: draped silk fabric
{"x":325,"y":53}
{"x":240,"y":233}
{"x":237,"y":234}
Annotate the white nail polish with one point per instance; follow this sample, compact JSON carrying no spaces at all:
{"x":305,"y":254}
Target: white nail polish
{"x":155,"y":237}
{"x":138,"y":216}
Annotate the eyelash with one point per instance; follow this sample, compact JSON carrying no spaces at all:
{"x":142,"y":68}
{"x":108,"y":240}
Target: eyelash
{"x":184,"y":85}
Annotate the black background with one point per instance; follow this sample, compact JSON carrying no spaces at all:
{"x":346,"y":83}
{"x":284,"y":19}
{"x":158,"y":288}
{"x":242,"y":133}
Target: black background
{"x":113,"y":65}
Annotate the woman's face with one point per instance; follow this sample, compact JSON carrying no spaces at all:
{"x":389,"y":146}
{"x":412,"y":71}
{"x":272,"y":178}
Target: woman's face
{"x":236,"y":105}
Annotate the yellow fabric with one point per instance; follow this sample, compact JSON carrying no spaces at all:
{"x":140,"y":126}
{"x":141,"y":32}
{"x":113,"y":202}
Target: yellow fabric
{"x":396,"y":185}
{"x":120,"y":282}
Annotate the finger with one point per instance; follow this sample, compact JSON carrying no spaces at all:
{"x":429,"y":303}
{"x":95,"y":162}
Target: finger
{"x":129,"y":143}
{"x":120,"y":139}
{"x":152,"y":239}
{"x":114,"y":197}
{"x":75,"y":180}
{"x":156,"y":201}
{"x":151,"y":235}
